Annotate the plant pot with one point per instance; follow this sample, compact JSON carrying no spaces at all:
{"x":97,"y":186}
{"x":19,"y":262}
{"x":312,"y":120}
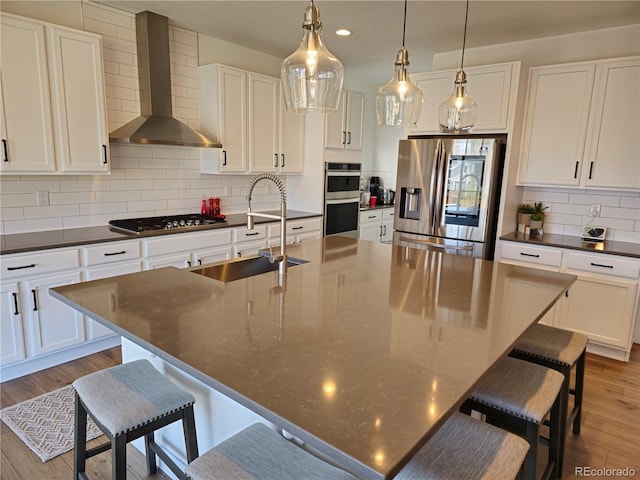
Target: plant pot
{"x":535,"y":224}
{"x":524,"y":218}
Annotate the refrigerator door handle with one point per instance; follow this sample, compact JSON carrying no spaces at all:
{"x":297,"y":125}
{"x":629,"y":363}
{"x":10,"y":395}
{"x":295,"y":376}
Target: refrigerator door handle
{"x":439,"y":192}
{"x":433,"y":186}
{"x":467,"y":248}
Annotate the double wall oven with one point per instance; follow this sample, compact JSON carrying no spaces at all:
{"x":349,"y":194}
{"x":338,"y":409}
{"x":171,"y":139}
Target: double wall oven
{"x":341,"y":199}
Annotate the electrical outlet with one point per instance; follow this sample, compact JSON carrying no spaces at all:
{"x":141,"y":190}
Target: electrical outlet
{"x":42,"y":198}
{"x":595,"y":210}
{"x":227,"y":191}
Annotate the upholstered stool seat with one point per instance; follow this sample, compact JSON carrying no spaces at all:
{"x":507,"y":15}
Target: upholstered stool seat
{"x":467,"y":449}
{"x":127,"y":402}
{"x":560,"y":350}
{"x":463,"y":448}
{"x":518,"y":395}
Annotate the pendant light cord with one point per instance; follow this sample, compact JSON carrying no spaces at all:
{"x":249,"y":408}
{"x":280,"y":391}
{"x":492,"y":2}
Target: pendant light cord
{"x":404,"y":24}
{"x":464,"y":35}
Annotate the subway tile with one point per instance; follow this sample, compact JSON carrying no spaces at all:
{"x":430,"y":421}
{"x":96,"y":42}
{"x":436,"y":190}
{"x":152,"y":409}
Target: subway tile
{"x":170,"y":184}
{"x":143,"y":213}
{"x":159,"y":194}
{"x":178,"y":59}
{"x":117,"y":56}
{"x":616,"y":223}
{"x":630,"y":202}
{"x":186,"y":114}
{"x":122,"y":163}
{"x":132,"y":185}
{"x":569,"y":208}
{"x":191,"y":165}
{"x":11,"y":213}
{"x":188,"y":50}
{"x":119,"y":196}
{"x":145,"y":174}
{"x":178,"y":91}
{"x":118,"y":119}
{"x":115,"y":91}
{"x":187,"y":103}
{"x":24,"y":186}
{"x":86,"y":221}
{"x":114,"y":103}
{"x":51,"y":211}
{"x":573,"y":230}
{"x":113,"y":16}
{"x":184,"y":81}
{"x":100,"y":27}
{"x":626,"y":236}
{"x":183,"y":36}
{"x":185,"y":71}
{"x":120,"y":45}
{"x":120,"y":81}
{"x":546,"y":197}
{"x":170,"y":152}
{"x":126,"y":33}
{"x":26,"y":226}
{"x":128,"y":70}
{"x":107,"y":208}
{"x":141,"y":206}
{"x":564,"y":219}
{"x":628,"y":213}
{"x":71,"y":198}
{"x":549,"y":227}
{"x":98,"y":185}
{"x":18,"y":200}
{"x":587,"y":199}
{"x":155,"y":163}
{"x":131,"y":151}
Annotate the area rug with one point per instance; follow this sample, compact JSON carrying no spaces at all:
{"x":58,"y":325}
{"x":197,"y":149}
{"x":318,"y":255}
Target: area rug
{"x":46,"y":423}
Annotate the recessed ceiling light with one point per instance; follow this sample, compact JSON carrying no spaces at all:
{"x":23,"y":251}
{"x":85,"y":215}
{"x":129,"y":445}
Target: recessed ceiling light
{"x":343,"y":32}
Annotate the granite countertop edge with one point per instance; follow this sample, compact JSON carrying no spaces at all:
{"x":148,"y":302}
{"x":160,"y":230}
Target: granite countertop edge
{"x":71,"y":237}
{"x":610,"y":247}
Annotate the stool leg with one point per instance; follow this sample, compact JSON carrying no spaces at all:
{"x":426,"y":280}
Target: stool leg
{"x":119,"y":457}
{"x":152,"y":467}
{"x":79,"y":440}
{"x":578,"y":391}
{"x":531,"y":435}
{"x":190,"y":438}
{"x":556,"y":433}
{"x":564,"y":413}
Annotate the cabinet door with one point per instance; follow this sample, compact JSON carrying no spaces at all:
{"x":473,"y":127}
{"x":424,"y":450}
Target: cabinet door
{"x":387,"y":231}
{"x":370,"y":231}
{"x":27,"y":128}
{"x":264,"y":130}
{"x":233,"y":119}
{"x":435,"y":86}
{"x":291,"y":139}
{"x":53,"y":324}
{"x":335,"y":128}
{"x":355,"y":120}
{"x":601,"y":309}
{"x":212,"y":255}
{"x":490,"y":86}
{"x":555,"y":125}
{"x":179,"y":260}
{"x":11,"y":333}
{"x":79,"y":101}
{"x":613,"y":157}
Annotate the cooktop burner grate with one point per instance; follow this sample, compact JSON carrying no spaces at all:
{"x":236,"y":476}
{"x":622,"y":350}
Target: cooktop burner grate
{"x":169,"y":222}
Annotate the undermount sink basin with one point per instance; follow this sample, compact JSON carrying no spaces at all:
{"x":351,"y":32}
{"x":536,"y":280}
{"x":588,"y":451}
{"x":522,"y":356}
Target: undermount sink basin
{"x":243,"y":268}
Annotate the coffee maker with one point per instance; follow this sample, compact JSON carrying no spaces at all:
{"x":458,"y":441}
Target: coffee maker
{"x":375,"y":186}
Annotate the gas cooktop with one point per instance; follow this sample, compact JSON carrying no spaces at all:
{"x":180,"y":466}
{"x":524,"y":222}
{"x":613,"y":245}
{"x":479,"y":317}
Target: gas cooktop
{"x":171,"y":222}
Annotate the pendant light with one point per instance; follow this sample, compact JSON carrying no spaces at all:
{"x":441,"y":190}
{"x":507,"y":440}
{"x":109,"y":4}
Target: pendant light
{"x":457,"y":114}
{"x":312,"y":76}
{"x":399,"y":101}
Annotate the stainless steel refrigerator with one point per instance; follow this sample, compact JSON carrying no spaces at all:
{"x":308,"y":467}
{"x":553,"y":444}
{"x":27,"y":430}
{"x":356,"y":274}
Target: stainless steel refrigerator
{"x":448,"y":192}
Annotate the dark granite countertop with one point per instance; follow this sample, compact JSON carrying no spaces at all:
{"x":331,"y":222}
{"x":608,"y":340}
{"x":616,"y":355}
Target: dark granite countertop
{"x":611,"y":247}
{"x":27,"y":242}
{"x":377,"y":207}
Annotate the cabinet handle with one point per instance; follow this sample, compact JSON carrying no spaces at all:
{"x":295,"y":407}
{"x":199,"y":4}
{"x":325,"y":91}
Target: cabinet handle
{"x":251,"y":234}
{"x":15,"y":304}
{"x":601,"y":265}
{"x":4,"y":148}
{"x":344,"y":137}
{"x":110,"y":254}
{"x":35,"y":300}
{"x":591,"y":171}
{"x":275,"y":155}
{"x":575,"y":172}
{"x":188,"y":263}
{"x":297,"y":228}
{"x":199,"y":261}
{"x":282,"y":154}
{"x":372,"y":216}
{"x":349,"y":141}
{"x":224,"y":158}
{"x":385,"y":229}
{"x":104,"y":154}
{"x":529,"y":255}
{"x":21,"y":267}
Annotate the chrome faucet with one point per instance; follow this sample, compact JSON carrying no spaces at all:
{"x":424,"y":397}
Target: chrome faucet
{"x":282,"y":258}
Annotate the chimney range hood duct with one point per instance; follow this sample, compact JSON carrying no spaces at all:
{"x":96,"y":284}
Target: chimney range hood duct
{"x":156,"y":124}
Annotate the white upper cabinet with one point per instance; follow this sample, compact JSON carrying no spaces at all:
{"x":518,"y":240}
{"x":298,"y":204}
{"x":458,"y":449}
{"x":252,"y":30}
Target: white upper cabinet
{"x":53,"y":100}
{"x":613,"y":151}
{"x":343,"y":129}
{"x":27,"y":129}
{"x":581,"y":125}
{"x":493,"y":87}
{"x":245,"y":112}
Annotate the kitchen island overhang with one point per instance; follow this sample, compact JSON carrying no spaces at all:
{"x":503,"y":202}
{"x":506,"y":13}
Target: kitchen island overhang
{"x":362,"y":353}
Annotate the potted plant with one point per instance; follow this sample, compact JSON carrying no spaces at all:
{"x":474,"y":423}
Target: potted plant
{"x":524,"y":214}
{"x":536,"y":221}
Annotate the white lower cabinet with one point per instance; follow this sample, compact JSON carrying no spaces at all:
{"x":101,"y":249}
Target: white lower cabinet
{"x":11,"y":332}
{"x":187,"y":250}
{"x":297,"y":231}
{"x":247,"y":242}
{"x":377,"y":225}
{"x":601,"y":304}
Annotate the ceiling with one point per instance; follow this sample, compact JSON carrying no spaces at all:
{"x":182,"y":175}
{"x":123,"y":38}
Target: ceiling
{"x":274,"y":27}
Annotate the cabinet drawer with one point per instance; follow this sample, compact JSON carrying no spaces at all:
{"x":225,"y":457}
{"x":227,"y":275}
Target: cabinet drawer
{"x":370,"y":216}
{"x":39,"y":263}
{"x":111,"y":252}
{"x":388,"y":213}
{"x":185,"y":242}
{"x":523,"y":252}
{"x":603,"y":265}
{"x":303,"y":226}
{"x":259,"y":232}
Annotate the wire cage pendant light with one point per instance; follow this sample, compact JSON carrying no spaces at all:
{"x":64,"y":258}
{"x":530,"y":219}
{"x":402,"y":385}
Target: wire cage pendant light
{"x":312,"y":76}
{"x":457,"y":114}
{"x":399,"y":101}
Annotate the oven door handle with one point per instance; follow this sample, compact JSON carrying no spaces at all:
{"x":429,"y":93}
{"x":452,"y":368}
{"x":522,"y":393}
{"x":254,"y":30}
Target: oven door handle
{"x":342,"y":200}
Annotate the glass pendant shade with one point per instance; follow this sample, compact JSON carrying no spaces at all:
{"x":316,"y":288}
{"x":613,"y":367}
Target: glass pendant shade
{"x":312,"y":76}
{"x":457,"y":114}
{"x":399,"y":101}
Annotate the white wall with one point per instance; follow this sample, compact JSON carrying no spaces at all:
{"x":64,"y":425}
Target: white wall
{"x":624,"y":220}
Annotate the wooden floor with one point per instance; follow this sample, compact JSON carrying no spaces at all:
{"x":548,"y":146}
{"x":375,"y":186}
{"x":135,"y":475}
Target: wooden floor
{"x":610,"y":435}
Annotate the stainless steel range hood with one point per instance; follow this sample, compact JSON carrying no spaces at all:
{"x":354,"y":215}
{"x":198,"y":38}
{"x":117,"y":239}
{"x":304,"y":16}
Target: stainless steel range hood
{"x":156,"y":124}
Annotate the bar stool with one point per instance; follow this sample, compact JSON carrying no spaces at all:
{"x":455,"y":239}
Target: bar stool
{"x":560,"y":350}
{"x":517,"y":396}
{"x":462,"y":449}
{"x":127,"y":402}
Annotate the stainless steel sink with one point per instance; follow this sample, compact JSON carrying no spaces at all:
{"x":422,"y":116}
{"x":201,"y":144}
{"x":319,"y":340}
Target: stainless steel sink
{"x":243,"y":268}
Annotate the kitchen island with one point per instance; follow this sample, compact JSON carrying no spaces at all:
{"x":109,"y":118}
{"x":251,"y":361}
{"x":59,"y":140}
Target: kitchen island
{"x":362,"y":352}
